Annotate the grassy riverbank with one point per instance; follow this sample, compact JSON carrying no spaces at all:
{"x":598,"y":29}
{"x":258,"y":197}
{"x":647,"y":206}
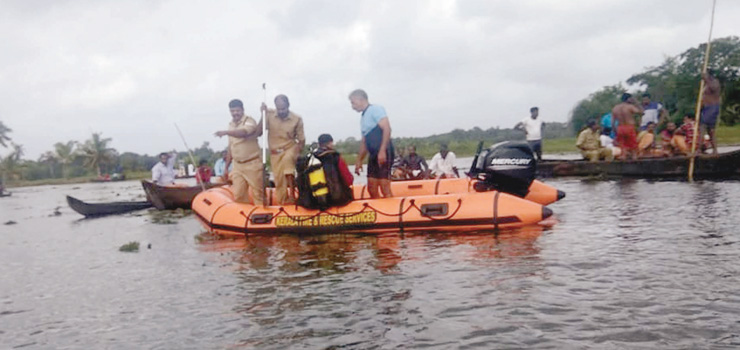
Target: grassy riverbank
{"x":74,"y":180}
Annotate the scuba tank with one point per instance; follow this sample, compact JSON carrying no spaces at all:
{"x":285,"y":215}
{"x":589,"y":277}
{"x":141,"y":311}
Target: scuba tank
{"x":317,"y":180}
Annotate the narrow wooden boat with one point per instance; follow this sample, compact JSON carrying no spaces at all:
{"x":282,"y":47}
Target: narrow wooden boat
{"x":707,"y":166}
{"x":171,"y":197}
{"x":101,"y":209}
{"x":220,"y":214}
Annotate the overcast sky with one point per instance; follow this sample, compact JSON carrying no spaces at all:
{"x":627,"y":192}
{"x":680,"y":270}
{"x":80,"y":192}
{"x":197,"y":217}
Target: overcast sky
{"x":131,"y":69}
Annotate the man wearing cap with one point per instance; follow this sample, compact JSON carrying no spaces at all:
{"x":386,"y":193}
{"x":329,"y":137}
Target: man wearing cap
{"x":589,"y":144}
{"x":376,"y":141}
{"x":286,"y":140}
{"x":245,"y":152}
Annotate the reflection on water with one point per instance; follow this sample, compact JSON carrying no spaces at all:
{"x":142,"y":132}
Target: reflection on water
{"x":330,"y":289}
{"x":630,"y":264}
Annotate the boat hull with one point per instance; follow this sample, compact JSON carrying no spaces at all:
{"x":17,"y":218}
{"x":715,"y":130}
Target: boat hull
{"x":220,"y":214}
{"x":102,"y":209}
{"x":171,"y":197}
{"x":539,"y":192}
{"x":706,"y":166}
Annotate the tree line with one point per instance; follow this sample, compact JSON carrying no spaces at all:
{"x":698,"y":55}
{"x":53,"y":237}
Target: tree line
{"x":675,"y":84}
{"x":93,"y":157}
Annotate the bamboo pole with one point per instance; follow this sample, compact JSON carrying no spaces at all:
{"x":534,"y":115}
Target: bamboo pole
{"x":192,"y":159}
{"x":265,"y":176}
{"x":697,"y":115}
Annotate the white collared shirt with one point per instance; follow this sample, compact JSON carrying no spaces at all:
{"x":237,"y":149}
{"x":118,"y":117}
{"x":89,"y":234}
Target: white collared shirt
{"x":164,"y":174}
{"x":441,"y":165}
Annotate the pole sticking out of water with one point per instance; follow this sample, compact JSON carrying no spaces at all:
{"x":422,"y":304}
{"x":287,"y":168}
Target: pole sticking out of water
{"x":699,"y":99}
{"x":192,"y":159}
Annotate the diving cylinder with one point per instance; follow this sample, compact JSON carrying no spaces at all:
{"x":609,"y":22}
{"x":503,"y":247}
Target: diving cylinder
{"x":317,"y":180}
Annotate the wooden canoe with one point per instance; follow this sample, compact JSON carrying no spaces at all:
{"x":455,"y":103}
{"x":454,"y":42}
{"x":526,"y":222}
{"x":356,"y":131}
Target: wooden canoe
{"x":707,"y":166}
{"x":101,"y":209}
{"x":171,"y":197}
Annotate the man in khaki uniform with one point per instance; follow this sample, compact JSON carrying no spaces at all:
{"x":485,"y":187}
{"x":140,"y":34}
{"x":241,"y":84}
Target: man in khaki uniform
{"x":590,"y":145}
{"x":286,"y":140}
{"x":245,"y":152}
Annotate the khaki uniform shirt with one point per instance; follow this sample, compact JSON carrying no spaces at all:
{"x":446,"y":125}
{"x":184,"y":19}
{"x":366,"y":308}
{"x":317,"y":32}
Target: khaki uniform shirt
{"x":588,"y":140}
{"x":284,"y":133}
{"x":244,"y":149}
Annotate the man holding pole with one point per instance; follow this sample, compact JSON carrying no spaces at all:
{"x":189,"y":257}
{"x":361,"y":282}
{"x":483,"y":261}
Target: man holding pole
{"x":244,"y":151}
{"x":710,"y":106}
{"x":286,"y":140}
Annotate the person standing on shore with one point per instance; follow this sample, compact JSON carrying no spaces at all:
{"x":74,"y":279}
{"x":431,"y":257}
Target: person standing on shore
{"x":286,"y":140}
{"x":245,"y":152}
{"x":376,"y":141}
{"x":533,"y":128}
{"x":710,"y":107}
{"x":624,"y":113}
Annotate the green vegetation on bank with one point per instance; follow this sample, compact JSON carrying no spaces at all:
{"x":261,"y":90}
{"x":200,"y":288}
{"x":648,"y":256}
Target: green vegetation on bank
{"x":675,"y":84}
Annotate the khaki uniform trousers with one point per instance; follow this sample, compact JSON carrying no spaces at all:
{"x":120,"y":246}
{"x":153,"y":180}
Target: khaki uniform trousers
{"x":246,"y":178}
{"x":595,"y":155}
{"x":283,"y":164}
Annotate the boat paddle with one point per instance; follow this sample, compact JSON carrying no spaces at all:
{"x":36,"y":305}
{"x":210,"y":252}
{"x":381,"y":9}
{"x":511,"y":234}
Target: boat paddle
{"x":192,"y":159}
{"x":699,"y":99}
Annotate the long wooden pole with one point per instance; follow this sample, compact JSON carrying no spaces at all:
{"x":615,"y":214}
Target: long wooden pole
{"x":265,"y":177}
{"x":192,"y":159}
{"x":699,"y":99}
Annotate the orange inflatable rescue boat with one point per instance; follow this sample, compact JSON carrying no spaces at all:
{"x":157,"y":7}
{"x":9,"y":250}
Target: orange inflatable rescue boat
{"x":220,"y":214}
{"x":425,"y":205}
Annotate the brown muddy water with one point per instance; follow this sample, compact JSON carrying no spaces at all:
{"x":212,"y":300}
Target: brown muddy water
{"x":631,"y":264}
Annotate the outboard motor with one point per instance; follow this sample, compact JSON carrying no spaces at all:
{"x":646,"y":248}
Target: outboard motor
{"x":508,"y":167}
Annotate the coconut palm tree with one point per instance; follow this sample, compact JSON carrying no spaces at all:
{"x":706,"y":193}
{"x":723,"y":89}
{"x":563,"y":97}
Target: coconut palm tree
{"x":4,"y":130}
{"x":65,"y":153}
{"x":10,"y":165}
{"x":51,"y":160}
{"x":96,"y":152}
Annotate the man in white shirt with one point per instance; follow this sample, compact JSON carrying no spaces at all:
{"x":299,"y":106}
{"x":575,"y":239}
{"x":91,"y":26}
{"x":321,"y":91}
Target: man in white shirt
{"x":652,"y":112}
{"x":533,"y":128}
{"x":163,"y":173}
{"x":443,"y":163}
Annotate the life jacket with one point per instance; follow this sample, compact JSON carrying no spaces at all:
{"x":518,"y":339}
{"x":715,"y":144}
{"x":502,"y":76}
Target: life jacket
{"x":319,"y":182}
{"x":340,"y":193}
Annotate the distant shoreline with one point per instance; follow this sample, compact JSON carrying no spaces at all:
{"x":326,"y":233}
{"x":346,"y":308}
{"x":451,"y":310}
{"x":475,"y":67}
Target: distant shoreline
{"x":726,"y":137}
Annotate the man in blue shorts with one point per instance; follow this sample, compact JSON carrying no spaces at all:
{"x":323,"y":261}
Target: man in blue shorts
{"x":710,"y":107}
{"x":376,"y":141}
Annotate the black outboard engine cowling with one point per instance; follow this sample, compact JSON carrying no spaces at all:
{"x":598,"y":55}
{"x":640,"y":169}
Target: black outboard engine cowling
{"x":508,"y":167}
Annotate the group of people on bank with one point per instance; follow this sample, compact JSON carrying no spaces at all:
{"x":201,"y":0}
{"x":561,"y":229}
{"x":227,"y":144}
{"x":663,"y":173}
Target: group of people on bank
{"x":619,"y":136}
